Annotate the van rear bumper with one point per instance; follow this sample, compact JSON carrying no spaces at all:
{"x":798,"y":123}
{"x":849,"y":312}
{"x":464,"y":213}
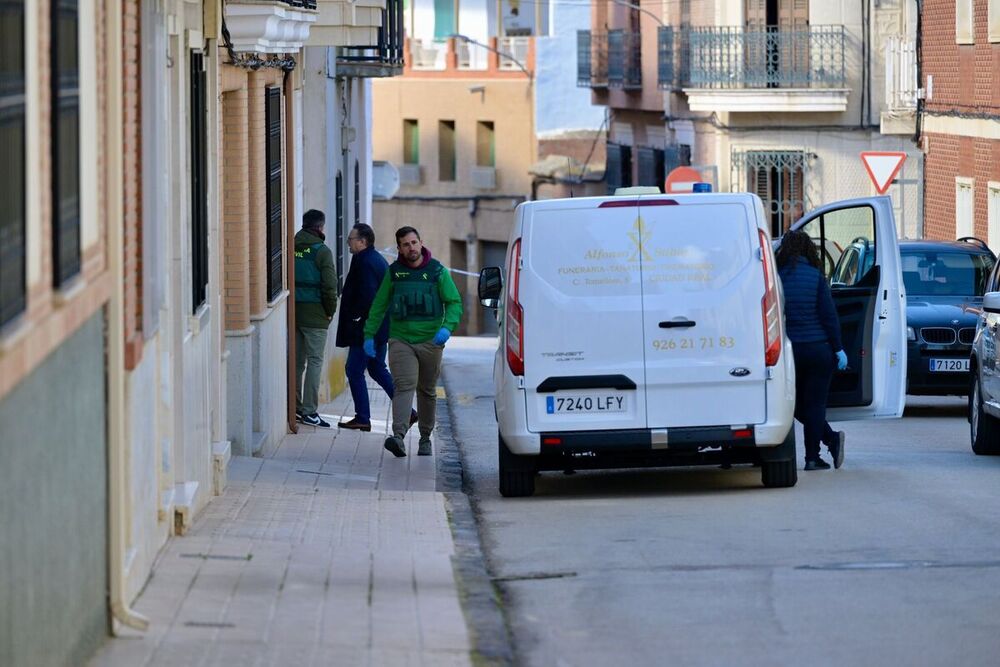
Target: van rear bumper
{"x":645,"y":447}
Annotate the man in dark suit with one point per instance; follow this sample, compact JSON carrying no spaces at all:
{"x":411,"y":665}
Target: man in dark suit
{"x":368,"y":267}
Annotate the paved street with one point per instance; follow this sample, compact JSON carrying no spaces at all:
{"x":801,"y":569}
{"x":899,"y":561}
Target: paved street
{"x":326,"y":551}
{"x":891,"y":560}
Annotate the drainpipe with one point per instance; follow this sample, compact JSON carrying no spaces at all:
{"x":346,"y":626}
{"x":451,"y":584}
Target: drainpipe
{"x":117,"y":440}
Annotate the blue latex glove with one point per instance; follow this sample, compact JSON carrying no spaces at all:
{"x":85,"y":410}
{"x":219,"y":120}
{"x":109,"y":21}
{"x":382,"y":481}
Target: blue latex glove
{"x":370,"y":347}
{"x":841,"y":360}
{"x":442,"y":336}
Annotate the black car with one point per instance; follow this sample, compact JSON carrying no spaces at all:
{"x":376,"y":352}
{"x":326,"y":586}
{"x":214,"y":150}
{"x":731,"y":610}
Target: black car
{"x":944,"y":283}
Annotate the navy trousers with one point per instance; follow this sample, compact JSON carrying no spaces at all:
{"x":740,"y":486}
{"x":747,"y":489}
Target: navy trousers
{"x":357,"y":363}
{"x":814,"y":363}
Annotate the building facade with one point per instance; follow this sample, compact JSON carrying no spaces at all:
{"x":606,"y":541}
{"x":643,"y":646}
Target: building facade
{"x":960,"y":119}
{"x":469,"y":124}
{"x":773,"y":97}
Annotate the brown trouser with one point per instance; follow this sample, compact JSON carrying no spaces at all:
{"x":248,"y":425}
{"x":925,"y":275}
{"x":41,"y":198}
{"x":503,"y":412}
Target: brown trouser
{"x":414,"y":367}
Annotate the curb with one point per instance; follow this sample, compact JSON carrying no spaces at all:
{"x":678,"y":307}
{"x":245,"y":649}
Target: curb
{"x":480,"y":599}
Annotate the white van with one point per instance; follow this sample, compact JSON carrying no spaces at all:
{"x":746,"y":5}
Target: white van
{"x":647,"y":330}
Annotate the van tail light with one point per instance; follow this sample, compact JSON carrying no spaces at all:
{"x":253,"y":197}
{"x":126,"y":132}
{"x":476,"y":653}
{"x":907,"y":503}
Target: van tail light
{"x":769,"y":305}
{"x":514,"y":320}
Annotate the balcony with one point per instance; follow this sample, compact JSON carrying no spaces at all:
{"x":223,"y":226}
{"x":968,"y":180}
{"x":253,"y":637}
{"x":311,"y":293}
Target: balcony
{"x":901,"y":87}
{"x":269,"y":26}
{"x":624,"y":60}
{"x":383,"y":58}
{"x":758,"y":70}
{"x":591,"y":59}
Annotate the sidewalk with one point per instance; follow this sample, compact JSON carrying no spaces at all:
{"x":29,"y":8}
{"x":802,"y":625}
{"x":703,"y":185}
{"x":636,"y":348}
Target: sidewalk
{"x":326,"y":551}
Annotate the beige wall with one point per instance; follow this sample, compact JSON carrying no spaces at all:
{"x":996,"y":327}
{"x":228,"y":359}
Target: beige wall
{"x":509,"y":104}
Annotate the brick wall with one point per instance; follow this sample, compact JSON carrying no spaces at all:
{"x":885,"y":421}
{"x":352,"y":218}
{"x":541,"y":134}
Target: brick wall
{"x":132,"y":179}
{"x":976,"y":65}
{"x":236,"y":210}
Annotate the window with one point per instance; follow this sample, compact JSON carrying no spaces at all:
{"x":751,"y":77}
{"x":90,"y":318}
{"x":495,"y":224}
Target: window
{"x":485,"y":146}
{"x":339,"y":194}
{"x":65,"y":141}
{"x":272,"y":126}
{"x":930,"y":273}
{"x":199,"y":181}
{"x":651,"y":166}
{"x":993,"y":20}
{"x":993,"y":215}
{"x":845,"y":239}
{"x":12,"y":185}
{"x":411,"y":142}
{"x":778,"y":178}
{"x":964,"y":224}
{"x":963,"y":22}
{"x":446,"y":150}
{"x":618,"y":172}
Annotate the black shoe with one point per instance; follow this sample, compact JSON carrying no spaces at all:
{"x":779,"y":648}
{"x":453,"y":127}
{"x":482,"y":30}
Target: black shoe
{"x":425,"y":449}
{"x":414,"y":418}
{"x":395,"y":445}
{"x":817,"y":464}
{"x":315,"y":420}
{"x":356,"y":425}
{"x":299,"y":416}
{"x":837,"y":449}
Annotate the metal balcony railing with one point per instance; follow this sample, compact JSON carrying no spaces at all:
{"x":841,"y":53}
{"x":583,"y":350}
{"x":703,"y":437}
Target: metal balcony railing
{"x":385,"y":57}
{"x":303,"y":4}
{"x":900,"y":75}
{"x":591,"y":59}
{"x":624,"y":59}
{"x":736,"y":57}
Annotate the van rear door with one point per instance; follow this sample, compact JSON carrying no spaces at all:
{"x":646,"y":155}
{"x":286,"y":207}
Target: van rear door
{"x":703,"y":333}
{"x":869,"y":299}
{"x":582,"y":303}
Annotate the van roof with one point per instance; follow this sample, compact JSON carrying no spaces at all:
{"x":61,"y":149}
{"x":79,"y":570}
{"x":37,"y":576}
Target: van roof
{"x":745,"y":198}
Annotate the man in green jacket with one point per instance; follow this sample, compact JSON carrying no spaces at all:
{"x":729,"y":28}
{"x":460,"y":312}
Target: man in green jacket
{"x":315,"y":304}
{"x":424,"y":307}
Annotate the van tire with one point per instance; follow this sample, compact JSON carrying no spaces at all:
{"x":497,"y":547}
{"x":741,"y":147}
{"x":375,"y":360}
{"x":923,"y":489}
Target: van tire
{"x":784,"y":473}
{"x":517,"y":473}
{"x":983,"y":427}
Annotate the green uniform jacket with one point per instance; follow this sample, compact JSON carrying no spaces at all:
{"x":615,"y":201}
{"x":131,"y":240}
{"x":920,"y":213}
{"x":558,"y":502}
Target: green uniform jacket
{"x":415,"y":331}
{"x":318,"y":315}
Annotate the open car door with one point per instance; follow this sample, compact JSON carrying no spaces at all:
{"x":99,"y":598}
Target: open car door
{"x":860,"y":255}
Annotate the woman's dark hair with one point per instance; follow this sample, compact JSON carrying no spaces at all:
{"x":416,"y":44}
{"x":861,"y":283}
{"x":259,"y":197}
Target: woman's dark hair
{"x":365,"y":232}
{"x":795,"y":244}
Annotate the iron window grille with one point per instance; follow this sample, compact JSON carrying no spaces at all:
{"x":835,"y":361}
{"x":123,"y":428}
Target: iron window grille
{"x":199,"y":181}
{"x":13,"y":287}
{"x":778,"y":178}
{"x":624,"y":59}
{"x":272,"y":125}
{"x":65,"y":141}
{"x":591,"y":59}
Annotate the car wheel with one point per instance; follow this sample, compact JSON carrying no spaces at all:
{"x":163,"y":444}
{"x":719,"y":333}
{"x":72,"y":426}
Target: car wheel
{"x":984,"y":429}
{"x":781,"y":474}
{"x":517,"y":473}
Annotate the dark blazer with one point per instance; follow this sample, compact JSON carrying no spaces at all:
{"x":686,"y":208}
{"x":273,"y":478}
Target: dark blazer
{"x":368,"y":267}
{"x":810,"y":315}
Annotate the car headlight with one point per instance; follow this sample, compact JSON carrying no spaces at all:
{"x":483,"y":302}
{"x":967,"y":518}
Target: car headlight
{"x":910,"y":333}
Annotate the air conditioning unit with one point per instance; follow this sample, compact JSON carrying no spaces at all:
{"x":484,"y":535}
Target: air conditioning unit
{"x":483,"y":178}
{"x":410,"y":174}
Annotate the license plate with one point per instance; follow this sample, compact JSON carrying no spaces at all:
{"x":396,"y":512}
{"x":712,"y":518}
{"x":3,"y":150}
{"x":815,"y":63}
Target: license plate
{"x":596,"y":403}
{"x":949,"y":365}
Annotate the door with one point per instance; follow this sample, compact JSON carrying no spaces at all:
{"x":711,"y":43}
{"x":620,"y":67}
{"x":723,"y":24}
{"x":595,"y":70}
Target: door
{"x":702,"y":283}
{"x":858,"y":237}
{"x":581,"y":300}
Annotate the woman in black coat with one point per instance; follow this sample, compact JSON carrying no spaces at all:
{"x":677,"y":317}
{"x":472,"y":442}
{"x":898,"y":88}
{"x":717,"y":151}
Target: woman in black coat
{"x":813,"y":327}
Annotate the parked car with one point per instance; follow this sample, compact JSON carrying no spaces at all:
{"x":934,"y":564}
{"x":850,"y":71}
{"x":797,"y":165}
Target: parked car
{"x":647,"y":330}
{"x":984,"y":391}
{"x":944,"y":283}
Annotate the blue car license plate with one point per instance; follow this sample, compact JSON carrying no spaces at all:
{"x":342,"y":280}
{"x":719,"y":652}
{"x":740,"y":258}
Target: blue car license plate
{"x":949,"y":365}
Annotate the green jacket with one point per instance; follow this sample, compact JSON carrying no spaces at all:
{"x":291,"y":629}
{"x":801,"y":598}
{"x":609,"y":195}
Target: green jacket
{"x":318,"y":315}
{"x":415,"y":331}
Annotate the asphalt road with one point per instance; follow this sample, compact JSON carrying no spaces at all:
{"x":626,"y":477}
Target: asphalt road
{"x":893,"y":559}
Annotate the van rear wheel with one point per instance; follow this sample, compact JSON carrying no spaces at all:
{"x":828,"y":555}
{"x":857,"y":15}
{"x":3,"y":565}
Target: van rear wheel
{"x":517,"y":473}
{"x":783,"y":473}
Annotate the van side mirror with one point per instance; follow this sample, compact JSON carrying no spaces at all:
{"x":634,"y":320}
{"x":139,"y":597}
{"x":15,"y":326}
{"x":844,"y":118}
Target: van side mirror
{"x":490,"y":286}
{"x":991,"y":302}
